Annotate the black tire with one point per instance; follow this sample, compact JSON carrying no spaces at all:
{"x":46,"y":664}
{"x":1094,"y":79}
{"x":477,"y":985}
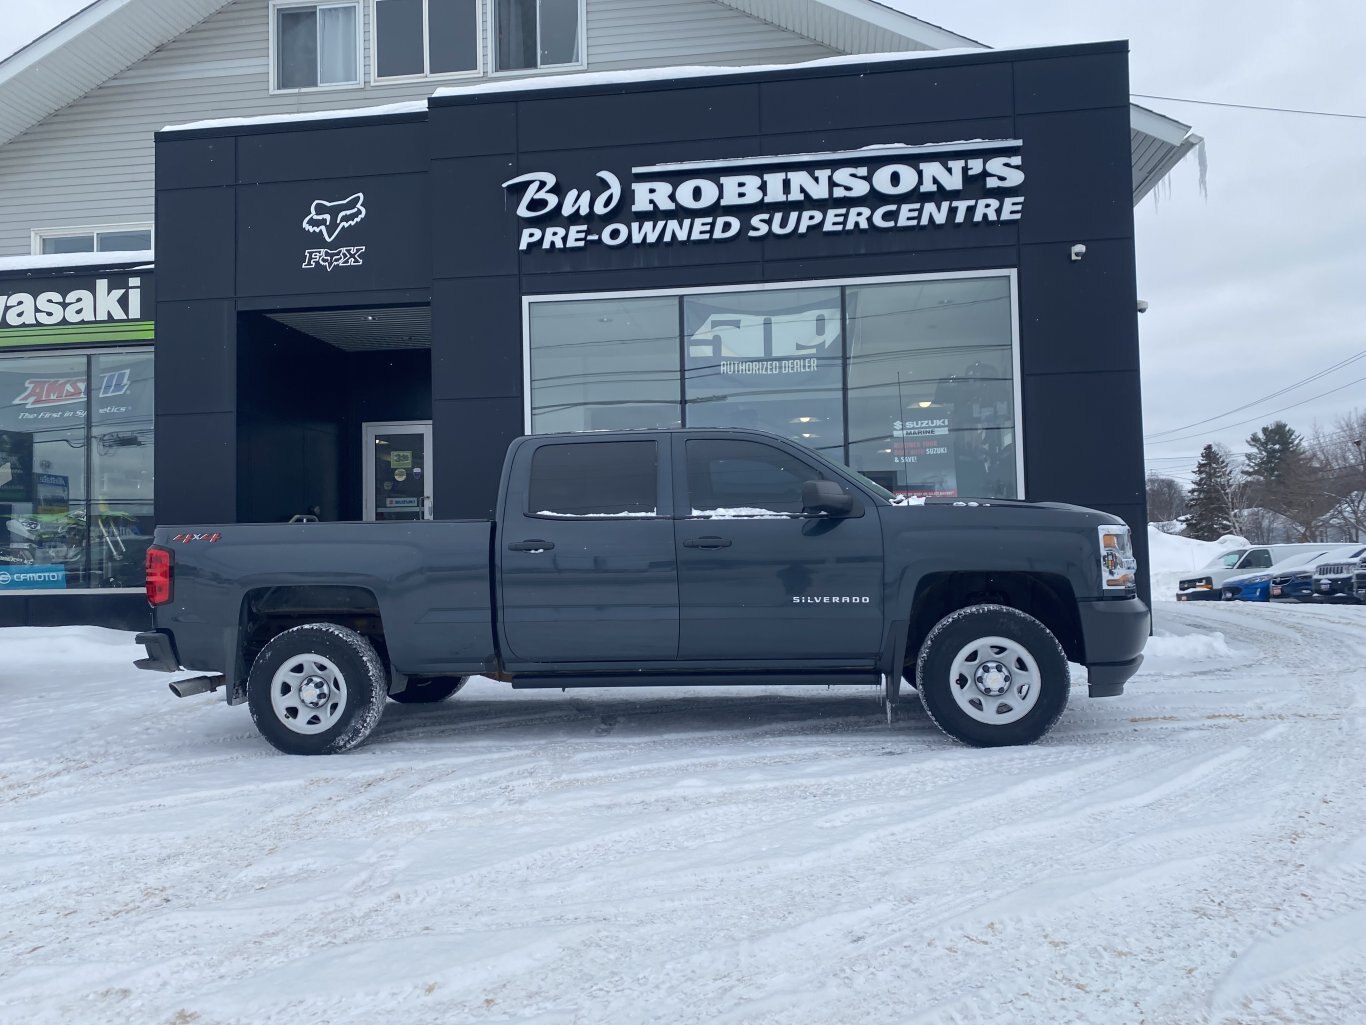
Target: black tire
{"x":992,"y":676}
{"x":323,"y":663}
{"x":430,"y":690}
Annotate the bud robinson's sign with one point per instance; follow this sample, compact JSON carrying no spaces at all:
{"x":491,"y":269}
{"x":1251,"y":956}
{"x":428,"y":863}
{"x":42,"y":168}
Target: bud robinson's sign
{"x":878,"y":188}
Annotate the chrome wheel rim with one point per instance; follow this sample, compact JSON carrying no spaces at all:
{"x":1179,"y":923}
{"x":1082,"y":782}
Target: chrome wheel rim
{"x":308,"y":693}
{"x":995,"y":680}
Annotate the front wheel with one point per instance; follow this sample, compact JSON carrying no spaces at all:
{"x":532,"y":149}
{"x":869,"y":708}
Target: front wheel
{"x":429,"y":690}
{"x":992,"y":676}
{"x":316,"y":689}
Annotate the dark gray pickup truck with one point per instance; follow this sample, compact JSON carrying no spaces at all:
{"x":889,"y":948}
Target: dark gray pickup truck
{"x":654,"y":558}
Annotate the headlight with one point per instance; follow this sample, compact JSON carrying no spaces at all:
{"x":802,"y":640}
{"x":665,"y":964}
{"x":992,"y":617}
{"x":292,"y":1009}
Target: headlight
{"x":1260,"y":579}
{"x":1301,"y":577}
{"x":1118,"y":567}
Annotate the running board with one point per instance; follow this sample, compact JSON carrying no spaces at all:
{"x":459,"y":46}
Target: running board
{"x":826,"y":678}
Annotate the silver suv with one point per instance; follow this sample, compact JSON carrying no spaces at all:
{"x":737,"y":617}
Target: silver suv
{"x":1340,"y":581}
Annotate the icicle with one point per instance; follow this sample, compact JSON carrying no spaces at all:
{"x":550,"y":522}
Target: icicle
{"x":1202,"y":161}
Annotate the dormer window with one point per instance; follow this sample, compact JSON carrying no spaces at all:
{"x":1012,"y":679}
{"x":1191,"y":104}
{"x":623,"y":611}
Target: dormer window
{"x":315,"y":45}
{"x":534,"y":34}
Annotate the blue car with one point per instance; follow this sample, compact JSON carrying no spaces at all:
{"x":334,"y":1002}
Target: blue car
{"x":1291,"y":579}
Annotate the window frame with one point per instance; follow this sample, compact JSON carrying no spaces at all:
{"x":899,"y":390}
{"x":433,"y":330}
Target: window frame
{"x":480,"y":40}
{"x":38,"y":235}
{"x":548,"y":69}
{"x":1010,"y":273}
{"x":281,"y":5}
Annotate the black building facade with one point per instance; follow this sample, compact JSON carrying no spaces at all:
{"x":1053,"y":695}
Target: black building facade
{"x":921,"y":267}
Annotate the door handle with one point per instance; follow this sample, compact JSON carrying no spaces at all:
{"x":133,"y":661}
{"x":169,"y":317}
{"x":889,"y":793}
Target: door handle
{"x":534,"y":545}
{"x":707,"y":542}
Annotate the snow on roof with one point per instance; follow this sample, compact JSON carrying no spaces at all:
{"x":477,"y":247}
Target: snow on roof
{"x":406,"y":107}
{"x":141,"y":257}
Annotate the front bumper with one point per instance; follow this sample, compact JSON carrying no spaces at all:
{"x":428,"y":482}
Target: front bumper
{"x":1200,"y":594}
{"x":161,"y":653}
{"x":1114,"y":633}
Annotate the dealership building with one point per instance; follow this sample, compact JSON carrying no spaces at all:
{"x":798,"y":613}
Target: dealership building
{"x":921,"y":265}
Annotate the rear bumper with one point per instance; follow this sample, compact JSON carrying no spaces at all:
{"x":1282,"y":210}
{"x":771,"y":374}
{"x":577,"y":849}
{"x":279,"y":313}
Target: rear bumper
{"x":1200,"y":594}
{"x":161,"y":654}
{"x":1114,"y":633}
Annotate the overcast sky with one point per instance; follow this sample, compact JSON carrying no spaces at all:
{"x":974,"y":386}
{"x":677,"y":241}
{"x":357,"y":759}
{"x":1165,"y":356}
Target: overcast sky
{"x":1256,"y":287}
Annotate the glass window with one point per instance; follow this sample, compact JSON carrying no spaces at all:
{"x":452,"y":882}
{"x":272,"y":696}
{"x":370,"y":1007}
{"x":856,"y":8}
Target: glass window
{"x":419,"y":37}
{"x":54,"y":244}
{"x":116,"y":240}
{"x":931,"y":388}
{"x":767,"y":360}
{"x":75,"y":470}
{"x":315,"y":45}
{"x":610,"y":478}
{"x":745,"y":477}
{"x":604,"y":364}
{"x":537,"y":33}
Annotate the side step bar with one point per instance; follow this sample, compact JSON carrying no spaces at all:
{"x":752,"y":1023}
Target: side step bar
{"x":829,"y":677}
{"x":196,"y":685}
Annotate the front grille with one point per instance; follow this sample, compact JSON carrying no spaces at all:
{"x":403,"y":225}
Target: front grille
{"x":1334,"y":569}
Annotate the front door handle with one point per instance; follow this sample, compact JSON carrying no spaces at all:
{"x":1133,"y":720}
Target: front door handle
{"x":707,"y":542}
{"x":534,"y":545}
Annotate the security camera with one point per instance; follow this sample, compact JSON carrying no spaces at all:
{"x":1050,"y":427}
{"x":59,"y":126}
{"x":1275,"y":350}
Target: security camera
{"x":1143,"y":306}
{"x":1078,"y":251}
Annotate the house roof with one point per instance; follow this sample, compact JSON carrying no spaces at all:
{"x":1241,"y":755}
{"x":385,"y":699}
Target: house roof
{"x":109,"y":36}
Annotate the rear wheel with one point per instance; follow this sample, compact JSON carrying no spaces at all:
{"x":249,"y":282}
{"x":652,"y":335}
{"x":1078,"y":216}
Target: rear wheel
{"x":316,"y":689}
{"x":992,"y":676}
{"x":429,"y":690}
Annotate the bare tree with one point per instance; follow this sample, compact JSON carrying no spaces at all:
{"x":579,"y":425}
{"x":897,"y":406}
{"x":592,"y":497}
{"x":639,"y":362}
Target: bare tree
{"x":1340,"y":456}
{"x":1166,"y":498}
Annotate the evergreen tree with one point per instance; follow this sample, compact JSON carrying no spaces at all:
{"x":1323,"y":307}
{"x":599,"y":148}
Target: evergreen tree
{"x":1277,"y":454}
{"x":1208,"y":516}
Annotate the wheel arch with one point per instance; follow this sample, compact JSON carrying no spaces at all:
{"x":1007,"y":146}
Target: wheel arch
{"x":1048,"y":597}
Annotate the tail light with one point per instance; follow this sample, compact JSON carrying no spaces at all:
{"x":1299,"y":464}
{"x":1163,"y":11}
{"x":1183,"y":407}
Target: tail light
{"x":159,"y":564}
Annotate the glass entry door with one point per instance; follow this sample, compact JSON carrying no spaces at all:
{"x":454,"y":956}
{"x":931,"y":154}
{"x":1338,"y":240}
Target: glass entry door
{"x":398,"y":477}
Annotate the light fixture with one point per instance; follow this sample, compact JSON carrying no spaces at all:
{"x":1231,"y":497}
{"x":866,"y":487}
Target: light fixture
{"x":805,"y":419}
{"x":925,"y":403}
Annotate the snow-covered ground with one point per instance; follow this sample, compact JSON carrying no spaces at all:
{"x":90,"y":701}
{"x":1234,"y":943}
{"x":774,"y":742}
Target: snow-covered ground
{"x":1192,"y":852}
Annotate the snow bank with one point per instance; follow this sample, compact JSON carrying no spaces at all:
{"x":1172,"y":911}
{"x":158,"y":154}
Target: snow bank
{"x":1195,"y":647}
{"x":1172,"y":556}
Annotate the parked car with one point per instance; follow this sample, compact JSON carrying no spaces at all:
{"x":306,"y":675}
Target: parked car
{"x":1342,"y":580}
{"x":1290,"y":578}
{"x":1207,"y":584}
{"x":648,"y":558}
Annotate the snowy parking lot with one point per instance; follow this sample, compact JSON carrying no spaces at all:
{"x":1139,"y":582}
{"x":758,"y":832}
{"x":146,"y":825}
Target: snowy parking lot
{"x":1192,"y":852}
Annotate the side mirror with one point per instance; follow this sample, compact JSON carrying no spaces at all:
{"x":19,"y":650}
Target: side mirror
{"x":825,"y":496}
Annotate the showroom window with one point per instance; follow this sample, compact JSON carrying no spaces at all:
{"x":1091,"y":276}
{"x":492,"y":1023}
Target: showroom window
{"x":910,"y":381}
{"x":76,"y":448}
{"x":604,"y":364}
{"x":535,"y":34}
{"x":316,"y":45}
{"x":112,"y":239}
{"x":415,"y":38}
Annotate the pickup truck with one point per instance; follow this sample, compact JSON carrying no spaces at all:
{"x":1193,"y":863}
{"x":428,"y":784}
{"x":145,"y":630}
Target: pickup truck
{"x":655,"y":558}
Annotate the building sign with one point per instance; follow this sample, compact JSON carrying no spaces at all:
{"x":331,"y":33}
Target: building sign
{"x":59,"y":398}
{"x":879,"y":188}
{"x":328,"y":219}
{"x":22,"y":578}
{"x":67,"y":310}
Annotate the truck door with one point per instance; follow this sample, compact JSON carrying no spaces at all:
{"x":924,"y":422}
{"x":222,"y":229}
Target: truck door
{"x":585,"y":553}
{"x":757,"y":577}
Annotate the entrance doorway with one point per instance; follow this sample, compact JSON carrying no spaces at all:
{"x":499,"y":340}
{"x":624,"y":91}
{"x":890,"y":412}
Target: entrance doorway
{"x":397,"y":470}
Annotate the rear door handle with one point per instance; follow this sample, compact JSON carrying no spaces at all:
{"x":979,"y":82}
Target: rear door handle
{"x":534,"y":545}
{"x":707,"y":542}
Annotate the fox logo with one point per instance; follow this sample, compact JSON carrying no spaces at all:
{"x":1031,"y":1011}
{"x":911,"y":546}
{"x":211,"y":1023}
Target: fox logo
{"x":331,"y":218}
{"x":347,"y":256}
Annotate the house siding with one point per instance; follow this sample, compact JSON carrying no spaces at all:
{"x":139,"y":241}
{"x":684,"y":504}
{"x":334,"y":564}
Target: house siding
{"x":91,"y":163}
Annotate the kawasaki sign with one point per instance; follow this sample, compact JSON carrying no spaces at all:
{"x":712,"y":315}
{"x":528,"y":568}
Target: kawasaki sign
{"x":69,"y":311}
{"x":874,"y":189}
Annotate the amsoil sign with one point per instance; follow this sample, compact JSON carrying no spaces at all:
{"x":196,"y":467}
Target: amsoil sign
{"x":879,"y":188}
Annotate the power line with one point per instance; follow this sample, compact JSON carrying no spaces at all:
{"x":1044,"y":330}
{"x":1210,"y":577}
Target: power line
{"x":1259,"y":416}
{"x":1247,"y":405}
{"x":1250,"y":106}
